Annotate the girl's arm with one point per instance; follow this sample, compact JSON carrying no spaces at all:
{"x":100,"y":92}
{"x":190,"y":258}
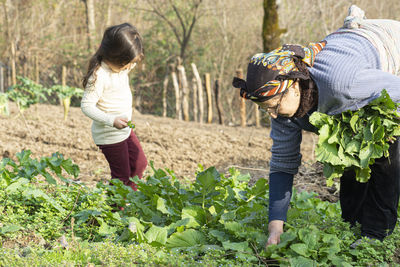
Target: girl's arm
{"x":89,"y":101}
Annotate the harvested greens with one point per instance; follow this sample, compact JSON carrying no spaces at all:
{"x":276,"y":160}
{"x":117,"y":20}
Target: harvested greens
{"x":354,"y":139}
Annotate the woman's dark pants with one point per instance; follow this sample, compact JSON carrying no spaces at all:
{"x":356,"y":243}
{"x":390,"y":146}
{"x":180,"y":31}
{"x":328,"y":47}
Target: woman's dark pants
{"x":373,"y":204}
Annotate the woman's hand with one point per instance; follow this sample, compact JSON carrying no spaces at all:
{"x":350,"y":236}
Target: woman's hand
{"x":120,"y":122}
{"x":275,"y":229}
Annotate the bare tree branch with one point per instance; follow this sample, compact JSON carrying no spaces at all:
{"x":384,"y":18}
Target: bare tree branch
{"x":161,"y":15}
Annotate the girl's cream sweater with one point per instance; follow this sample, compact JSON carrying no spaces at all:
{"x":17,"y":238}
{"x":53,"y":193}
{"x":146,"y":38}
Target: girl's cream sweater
{"x":104,"y":100}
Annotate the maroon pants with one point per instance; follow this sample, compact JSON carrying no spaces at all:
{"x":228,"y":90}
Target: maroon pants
{"x":126,"y":159}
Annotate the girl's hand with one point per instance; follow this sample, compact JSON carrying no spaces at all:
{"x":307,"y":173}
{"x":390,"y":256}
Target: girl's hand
{"x":120,"y":122}
{"x":275,"y":229}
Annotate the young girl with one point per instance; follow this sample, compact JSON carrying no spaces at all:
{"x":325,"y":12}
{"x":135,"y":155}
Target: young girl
{"x":107,"y":100}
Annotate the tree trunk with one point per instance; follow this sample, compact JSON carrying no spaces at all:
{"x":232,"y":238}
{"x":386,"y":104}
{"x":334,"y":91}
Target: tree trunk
{"x":64,"y":76}
{"x":7,"y":40}
{"x":110,"y":4}
{"x":218,"y":103}
{"x":239,"y":74}
{"x":6,"y":21}
{"x":271,"y":32}
{"x":1,"y":79}
{"x":185,"y":92}
{"x":199,"y":91}
{"x":90,"y":21}
{"x":178,"y":110}
{"x":37,"y":71}
{"x":9,"y":77}
{"x":165,"y":87}
{"x":195,"y":109}
{"x":13,"y":68}
{"x":207,"y":79}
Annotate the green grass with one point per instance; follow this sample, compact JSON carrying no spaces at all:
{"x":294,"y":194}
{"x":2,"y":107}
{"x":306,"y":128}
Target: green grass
{"x":108,"y":254}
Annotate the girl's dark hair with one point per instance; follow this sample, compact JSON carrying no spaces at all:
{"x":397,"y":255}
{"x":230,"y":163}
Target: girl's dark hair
{"x":121,"y":44}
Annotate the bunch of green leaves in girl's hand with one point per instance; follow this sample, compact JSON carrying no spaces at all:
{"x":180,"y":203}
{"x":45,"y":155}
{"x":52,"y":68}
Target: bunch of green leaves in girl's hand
{"x":130,"y":125}
{"x":354,"y":139}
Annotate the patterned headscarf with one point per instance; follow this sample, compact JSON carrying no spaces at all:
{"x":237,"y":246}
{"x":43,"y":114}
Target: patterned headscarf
{"x":270,"y":74}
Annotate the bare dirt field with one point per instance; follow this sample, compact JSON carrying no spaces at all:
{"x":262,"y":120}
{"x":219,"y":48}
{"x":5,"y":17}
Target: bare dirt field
{"x":169,"y":143}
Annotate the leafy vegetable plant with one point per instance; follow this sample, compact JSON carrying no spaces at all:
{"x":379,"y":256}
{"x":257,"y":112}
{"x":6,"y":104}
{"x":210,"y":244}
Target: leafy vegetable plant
{"x":4,"y":104}
{"x":218,"y":220}
{"x":131,"y":125}
{"x":65,"y":93}
{"x":353,"y":140}
{"x":26,"y":93}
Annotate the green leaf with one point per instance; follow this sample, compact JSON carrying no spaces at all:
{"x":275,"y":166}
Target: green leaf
{"x":196,"y":216}
{"x":363,"y":175}
{"x":309,"y":237}
{"x":237,"y":246}
{"x":23,"y":156}
{"x":365,"y":155}
{"x":319,"y":119}
{"x":301,"y":249}
{"x":259,"y":189}
{"x":286,"y":238}
{"x":105,"y":229}
{"x":353,"y":147}
{"x":234,"y":227}
{"x":157,"y":235}
{"x":161,"y":206}
{"x":367,"y":133}
{"x":219,"y":235}
{"x":11,"y":228}
{"x":49,"y":178}
{"x":301,"y":262}
{"x":328,"y":153}
{"x":353,"y":123}
{"x":16,"y":184}
{"x":334,"y":138}
{"x":188,"y":238}
{"x":208,"y":180}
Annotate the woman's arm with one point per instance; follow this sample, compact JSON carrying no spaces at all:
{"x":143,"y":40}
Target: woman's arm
{"x":284,"y":163}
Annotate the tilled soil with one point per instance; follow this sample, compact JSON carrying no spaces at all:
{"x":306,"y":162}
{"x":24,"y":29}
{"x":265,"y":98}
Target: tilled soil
{"x":169,"y":143}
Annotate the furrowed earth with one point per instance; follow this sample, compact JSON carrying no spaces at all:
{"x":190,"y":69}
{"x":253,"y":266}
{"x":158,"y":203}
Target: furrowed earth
{"x":169,"y":143}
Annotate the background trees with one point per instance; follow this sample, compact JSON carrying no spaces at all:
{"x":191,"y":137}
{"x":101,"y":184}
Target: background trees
{"x":39,"y":37}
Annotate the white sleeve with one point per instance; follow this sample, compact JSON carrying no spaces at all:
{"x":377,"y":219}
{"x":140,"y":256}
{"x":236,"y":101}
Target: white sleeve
{"x":89,"y":101}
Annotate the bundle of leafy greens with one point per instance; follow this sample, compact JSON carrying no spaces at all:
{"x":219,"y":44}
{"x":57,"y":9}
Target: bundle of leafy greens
{"x":353,"y":140}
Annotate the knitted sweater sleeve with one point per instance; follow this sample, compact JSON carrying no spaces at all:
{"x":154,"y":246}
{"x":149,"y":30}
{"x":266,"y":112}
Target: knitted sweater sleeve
{"x":286,"y":137}
{"x":89,"y":101}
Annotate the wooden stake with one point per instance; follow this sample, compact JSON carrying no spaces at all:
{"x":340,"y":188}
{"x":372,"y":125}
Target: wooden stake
{"x":194,"y":96}
{"x":178,"y":110}
{"x":218,"y":103}
{"x":165,"y":87}
{"x":207,"y":79}
{"x":63,"y":83}
{"x":199,"y":91}
{"x":239,"y":74}
{"x":185,"y":92}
